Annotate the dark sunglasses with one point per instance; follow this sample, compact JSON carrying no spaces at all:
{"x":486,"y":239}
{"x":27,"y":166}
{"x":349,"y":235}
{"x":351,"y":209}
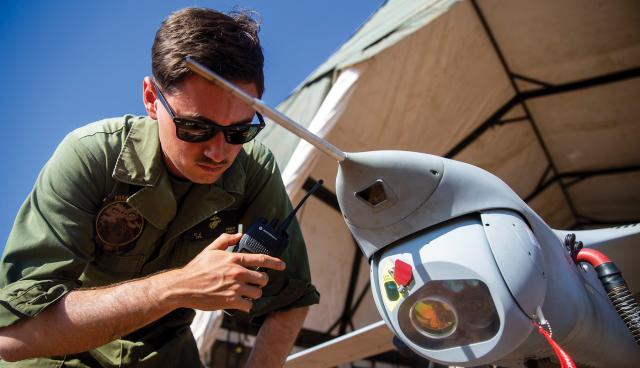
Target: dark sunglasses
{"x":201,"y":130}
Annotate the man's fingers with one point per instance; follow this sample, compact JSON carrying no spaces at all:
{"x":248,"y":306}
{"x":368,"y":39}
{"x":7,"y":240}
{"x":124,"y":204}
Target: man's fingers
{"x":251,"y":292}
{"x":255,"y":278}
{"x":224,"y":241}
{"x":243,"y":305}
{"x":260,"y":260}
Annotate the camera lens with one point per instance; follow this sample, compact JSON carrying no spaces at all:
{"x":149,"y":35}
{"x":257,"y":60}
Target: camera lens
{"x":434,"y":317}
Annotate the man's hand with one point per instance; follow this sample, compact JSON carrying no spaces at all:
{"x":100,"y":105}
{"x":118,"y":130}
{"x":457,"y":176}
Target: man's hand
{"x":217,"y":279}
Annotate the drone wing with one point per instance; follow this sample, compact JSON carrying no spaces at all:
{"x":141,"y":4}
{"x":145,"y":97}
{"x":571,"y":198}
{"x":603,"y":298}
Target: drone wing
{"x":370,"y":340}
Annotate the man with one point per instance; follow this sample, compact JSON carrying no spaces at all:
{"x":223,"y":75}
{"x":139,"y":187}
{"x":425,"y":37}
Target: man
{"x":125,"y":231}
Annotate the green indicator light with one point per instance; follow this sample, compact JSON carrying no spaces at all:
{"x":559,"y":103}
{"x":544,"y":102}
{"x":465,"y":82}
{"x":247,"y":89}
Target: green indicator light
{"x":392,"y":290}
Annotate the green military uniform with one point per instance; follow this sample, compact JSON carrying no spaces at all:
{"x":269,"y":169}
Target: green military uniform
{"x":52,"y":248}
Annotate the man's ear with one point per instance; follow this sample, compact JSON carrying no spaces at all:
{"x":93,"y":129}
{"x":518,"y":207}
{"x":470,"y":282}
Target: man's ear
{"x":149,"y":98}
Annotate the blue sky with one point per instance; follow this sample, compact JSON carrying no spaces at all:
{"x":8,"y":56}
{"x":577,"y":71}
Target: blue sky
{"x":67,"y":63}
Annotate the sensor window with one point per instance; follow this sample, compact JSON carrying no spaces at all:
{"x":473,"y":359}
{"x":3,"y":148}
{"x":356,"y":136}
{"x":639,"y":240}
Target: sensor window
{"x":442,"y":314}
{"x":374,"y":195}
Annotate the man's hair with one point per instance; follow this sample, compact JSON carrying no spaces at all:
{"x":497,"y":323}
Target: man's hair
{"x":228,"y":44}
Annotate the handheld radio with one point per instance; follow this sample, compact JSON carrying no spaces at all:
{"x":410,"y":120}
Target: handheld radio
{"x":268,"y":238}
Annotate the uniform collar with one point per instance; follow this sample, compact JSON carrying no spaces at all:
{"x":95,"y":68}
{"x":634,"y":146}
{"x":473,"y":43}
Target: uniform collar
{"x":140,"y":163}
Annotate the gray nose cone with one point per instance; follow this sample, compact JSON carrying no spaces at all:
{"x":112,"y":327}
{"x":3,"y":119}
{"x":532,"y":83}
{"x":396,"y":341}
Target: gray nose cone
{"x":377,"y":190}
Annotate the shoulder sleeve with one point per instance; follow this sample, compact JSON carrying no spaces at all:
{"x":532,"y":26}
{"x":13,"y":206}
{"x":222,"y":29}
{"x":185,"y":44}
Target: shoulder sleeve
{"x":266,"y":197}
{"x":52,"y":237}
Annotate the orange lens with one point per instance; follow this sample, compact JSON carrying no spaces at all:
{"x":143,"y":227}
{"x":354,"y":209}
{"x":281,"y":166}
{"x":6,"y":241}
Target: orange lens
{"x":434,"y":317}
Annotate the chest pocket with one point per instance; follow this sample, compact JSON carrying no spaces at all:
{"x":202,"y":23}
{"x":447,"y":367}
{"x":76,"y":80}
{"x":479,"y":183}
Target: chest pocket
{"x":123,"y":259}
{"x":110,"y":267}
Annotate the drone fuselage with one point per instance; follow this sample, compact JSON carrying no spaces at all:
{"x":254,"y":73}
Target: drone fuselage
{"x":453,"y":221}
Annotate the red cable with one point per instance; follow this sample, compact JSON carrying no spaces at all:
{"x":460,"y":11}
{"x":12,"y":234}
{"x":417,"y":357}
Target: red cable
{"x":592,"y":256}
{"x":564,"y":358}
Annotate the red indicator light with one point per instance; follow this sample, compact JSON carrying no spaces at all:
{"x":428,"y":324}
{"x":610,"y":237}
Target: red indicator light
{"x":402,"y":273}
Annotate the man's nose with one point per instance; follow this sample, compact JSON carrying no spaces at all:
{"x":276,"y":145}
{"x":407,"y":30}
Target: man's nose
{"x":214,"y":148}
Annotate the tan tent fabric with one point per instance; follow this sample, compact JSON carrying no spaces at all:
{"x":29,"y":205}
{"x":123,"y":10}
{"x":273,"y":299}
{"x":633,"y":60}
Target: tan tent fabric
{"x":595,"y":199}
{"x":400,"y":102}
{"x":562,"y":41}
{"x":516,"y":155}
{"x":595,"y":128}
{"x":552,"y":206}
{"x":329,"y":260}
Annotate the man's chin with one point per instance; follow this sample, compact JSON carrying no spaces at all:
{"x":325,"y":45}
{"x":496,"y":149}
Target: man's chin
{"x":204,"y":179}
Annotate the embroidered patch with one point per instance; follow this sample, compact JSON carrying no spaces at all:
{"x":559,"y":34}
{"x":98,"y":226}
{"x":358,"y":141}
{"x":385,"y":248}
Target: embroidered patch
{"x":214,"y":226}
{"x":118,"y":225}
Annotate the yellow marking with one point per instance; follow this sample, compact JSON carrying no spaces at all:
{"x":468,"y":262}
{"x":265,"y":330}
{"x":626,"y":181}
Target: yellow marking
{"x":387,"y":275}
{"x":214,"y":222}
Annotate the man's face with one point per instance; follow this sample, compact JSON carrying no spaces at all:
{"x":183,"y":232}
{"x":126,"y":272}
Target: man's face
{"x":204,"y":162}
